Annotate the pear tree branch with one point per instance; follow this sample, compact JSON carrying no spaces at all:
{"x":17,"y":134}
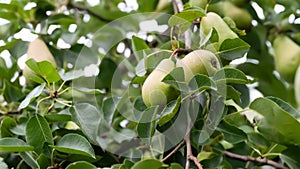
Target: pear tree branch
{"x":253,"y":159}
{"x":189,"y":153}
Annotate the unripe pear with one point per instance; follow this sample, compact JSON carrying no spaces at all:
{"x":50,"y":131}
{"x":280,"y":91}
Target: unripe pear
{"x":213,"y":20}
{"x":156,"y":92}
{"x":287,"y":57}
{"x":199,"y":62}
{"x":39,"y":51}
{"x":240,"y":16}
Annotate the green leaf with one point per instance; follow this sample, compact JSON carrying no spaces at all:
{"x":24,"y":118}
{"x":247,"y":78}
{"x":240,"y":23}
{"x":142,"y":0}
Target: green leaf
{"x":146,"y":125}
{"x":81,"y":165}
{"x":38,"y":132}
{"x":43,"y":161}
{"x":231,"y":49}
{"x":139,"y":46}
{"x":231,"y":133}
{"x":19,"y":49}
{"x":203,"y":155}
{"x":32,"y":95}
{"x":88,"y":118}
{"x":58,"y":117}
{"x":169,"y":111}
{"x":29,"y":159}
{"x":176,"y":79}
{"x":285,"y":106}
{"x":74,"y":144}
{"x":8,"y":15}
{"x":176,"y":166}
{"x":187,"y":16}
{"x":44,"y":69}
{"x":277,"y":125}
{"x":201,"y":82}
{"x":147,"y":164}
{"x":239,"y":120}
{"x":147,"y":6}
{"x":6,"y":124}
{"x":105,"y":77}
{"x":230,"y":75}
{"x":232,"y":93}
{"x":291,"y":157}
{"x":14,"y":145}
{"x":12,"y":93}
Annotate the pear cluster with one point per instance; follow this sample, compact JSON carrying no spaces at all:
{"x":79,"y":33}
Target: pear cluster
{"x":156,"y":92}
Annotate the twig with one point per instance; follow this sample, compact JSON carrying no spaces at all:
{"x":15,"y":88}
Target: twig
{"x":189,"y":153}
{"x":258,"y":160}
{"x":173,"y":151}
{"x":89,"y":11}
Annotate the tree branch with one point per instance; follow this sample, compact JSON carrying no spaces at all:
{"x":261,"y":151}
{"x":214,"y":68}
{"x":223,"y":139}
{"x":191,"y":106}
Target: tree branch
{"x":89,"y":11}
{"x":189,"y":153}
{"x":258,"y":160}
{"x":173,"y":151}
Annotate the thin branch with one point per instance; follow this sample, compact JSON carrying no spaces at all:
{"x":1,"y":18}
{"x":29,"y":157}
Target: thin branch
{"x":189,"y":153}
{"x":258,"y":160}
{"x":89,"y":11}
{"x":173,"y":151}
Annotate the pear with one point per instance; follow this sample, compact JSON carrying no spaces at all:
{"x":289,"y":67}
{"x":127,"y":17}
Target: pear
{"x":287,"y":57}
{"x":156,"y":92}
{"x":240,"y":16}
{"x":39,"y":51}
{"x":213,"y":20}
{"x":199,"y":62}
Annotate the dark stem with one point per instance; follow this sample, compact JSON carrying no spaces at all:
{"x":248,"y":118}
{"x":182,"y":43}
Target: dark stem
{"x":258,"y":160}
{"x":173,"y":151}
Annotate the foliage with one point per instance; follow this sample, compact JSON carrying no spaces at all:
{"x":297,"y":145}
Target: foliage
{"x":89,"y":113}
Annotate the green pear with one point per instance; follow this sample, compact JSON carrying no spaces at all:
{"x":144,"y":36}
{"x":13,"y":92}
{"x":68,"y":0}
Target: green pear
{"x":287,"y":57}
{"x":199,"y":62}
{"x":156,"y":92}
{"x":240,"y":16}
{"x":213,"y":20}
{"x":297,"y":86}
{"x":39,"y":51}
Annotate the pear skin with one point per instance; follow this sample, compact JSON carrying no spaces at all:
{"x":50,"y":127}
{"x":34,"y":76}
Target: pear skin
{"x":213,"y":20}
{"x":240,"y":16}
{"x":199,"y":62}
{"x":156,"y":92}
{"x":287,"y":57}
